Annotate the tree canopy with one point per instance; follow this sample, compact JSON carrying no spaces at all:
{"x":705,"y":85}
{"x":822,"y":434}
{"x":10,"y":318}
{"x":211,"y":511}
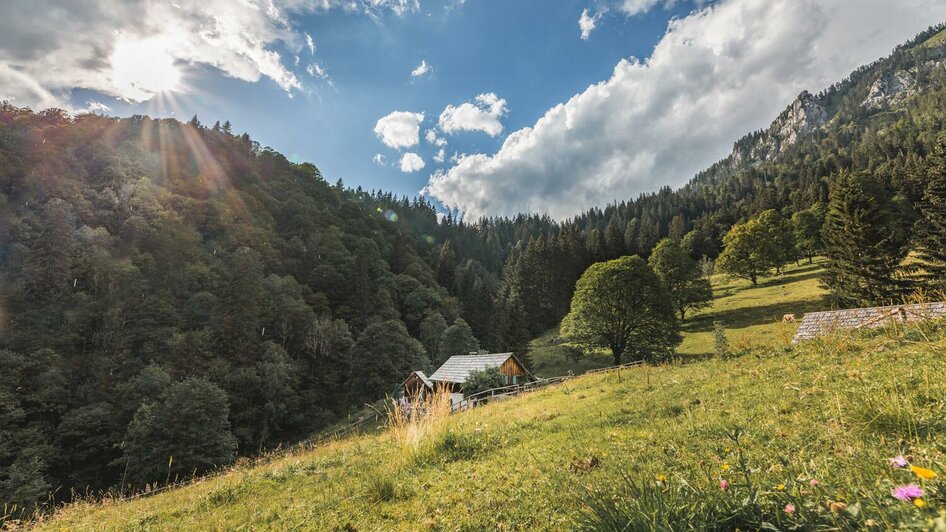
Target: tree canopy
{"x":622,"y":305}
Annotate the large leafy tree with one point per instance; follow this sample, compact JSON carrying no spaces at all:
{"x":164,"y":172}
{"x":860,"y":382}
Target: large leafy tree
{"x":382,"y":357}
{"x":865,"y":241}
{"x":806,"y":227}
{"x":931,"y":227}
{"x":681,"y":275}
{"x":185,"y":432}
{"x":622,"y":305}
{"x":747,"y":251}
{"x":457,"y":339}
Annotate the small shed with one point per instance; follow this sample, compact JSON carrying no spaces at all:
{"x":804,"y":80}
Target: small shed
{"x":820,"y":323}
{"x":454,"y":373}
{"x":417,"y":385}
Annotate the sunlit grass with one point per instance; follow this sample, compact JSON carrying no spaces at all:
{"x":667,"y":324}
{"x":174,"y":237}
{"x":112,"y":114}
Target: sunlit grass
{"x":662,"y":438}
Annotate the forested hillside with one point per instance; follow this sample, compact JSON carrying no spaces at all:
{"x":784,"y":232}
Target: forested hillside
{"x":175,"y":290}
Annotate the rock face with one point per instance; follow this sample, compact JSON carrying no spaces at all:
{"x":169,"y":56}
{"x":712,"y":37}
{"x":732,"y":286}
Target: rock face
{"x":890,"y":89}
{"x":803,"y":116}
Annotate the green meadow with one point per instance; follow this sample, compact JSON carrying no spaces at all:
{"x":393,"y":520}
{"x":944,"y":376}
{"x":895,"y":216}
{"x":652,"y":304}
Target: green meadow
{"x":777,"y":436}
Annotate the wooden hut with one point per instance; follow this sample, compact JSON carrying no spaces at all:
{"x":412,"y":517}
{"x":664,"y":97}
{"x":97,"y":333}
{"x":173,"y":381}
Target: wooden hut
{"x":454,"y":373}
{"x":417,"y":385}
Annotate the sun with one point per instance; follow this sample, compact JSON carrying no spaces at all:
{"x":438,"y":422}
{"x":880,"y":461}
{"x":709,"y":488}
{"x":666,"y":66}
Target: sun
{"x":143,"y":68}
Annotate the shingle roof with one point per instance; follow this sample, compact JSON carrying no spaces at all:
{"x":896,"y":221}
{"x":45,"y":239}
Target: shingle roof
{"x":423,"y":379}
{"x":819,"y":323}
{"x":458,"y":368}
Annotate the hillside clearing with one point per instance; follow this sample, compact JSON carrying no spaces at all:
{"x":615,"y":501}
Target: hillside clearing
{"x":751,"y":315}
{"x":831,"y":411}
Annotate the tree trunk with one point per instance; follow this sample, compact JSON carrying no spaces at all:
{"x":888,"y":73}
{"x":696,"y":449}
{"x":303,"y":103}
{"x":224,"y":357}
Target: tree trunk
{"x":617,"y":352}
{"x":754,"y":280}
{"x":683,"y":316}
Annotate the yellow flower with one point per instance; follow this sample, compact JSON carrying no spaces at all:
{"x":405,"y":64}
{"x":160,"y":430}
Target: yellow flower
{"x":922,"y":472}
{"x":780,"y":487}
{"x":726,"y":449}
{"x":725,"y":467}
{"x":661,"y":478}
{"x":919,"y":503}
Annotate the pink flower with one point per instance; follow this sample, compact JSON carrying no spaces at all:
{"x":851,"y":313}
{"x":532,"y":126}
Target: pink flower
{"x":724,"y":485}
{"x":899,"y":461}
{"x":790,"y":508}
{"x":908,"y":493}
{"x":814,"y":482}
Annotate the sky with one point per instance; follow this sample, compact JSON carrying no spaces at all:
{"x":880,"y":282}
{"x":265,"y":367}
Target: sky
{"x":486,"y":107}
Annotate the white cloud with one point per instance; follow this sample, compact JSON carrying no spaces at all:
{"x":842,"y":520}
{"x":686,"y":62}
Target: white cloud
{"x":435,"y":139}
{"x":441,"y":156}
{"x":482,"y":114}
{"x":93,"y":106}
{"x":318,"y":71}
{"x":400,"y":129}
{"x":587,"y":23}
{"x":380,"y":160}
{"x":411,"y":162}
{"x":310,"y":43}
{"x":638,"y":7}
{"x":73,"y":43}
{"x":716,"y":75}
{"x":422,"y":69}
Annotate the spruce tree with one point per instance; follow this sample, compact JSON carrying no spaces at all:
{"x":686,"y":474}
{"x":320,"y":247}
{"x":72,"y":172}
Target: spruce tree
{"x":864,"y":242}
{"x":931,"y":227}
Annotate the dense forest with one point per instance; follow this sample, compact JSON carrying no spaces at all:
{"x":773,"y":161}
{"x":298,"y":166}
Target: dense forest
{"x":173,"y":295}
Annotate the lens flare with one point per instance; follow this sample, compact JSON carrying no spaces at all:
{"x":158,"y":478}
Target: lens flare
{"x":143,"y":68}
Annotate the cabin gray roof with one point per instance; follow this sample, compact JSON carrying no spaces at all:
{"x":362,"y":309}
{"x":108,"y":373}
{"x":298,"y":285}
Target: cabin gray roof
{"x":422,"y":377}
{"x":819,"y":323}
{"x":458,"y":368}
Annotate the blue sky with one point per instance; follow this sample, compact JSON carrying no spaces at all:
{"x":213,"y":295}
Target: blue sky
{"x":541,"y":119}
{"x":533,"y":62}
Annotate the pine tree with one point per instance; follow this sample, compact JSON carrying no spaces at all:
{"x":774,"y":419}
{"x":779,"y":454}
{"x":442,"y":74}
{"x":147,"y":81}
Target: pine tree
{"x":931,"y":227}
{"x":864,"y":241}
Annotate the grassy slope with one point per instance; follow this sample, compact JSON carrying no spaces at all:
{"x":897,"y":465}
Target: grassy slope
{"x":751,"y":316}
{"x":832,"y":410}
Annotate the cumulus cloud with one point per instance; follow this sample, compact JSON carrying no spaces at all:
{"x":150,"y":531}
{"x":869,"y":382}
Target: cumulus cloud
{"x":587,"y":23}
{"x":411,"y":162}
{"x":48,"y":48}
{"x":717,"y":74}
{"x":482,"y":114}
{"x":380,"y":159}
{"x":435,"y":139}
{"x":400,"y":129}
{"x":422,"y":69}
{"x":440,"y":156}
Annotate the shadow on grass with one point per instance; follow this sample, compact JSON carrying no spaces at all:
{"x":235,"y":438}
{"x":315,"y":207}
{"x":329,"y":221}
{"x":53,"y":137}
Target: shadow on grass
{"x":739,"y":318}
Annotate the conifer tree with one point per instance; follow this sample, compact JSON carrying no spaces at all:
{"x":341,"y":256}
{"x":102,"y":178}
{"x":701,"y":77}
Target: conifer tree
{"x":931,"y":227}
{"x":864,"y":242}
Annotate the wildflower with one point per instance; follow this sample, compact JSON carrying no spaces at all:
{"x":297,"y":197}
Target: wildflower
{"x":661,"y":478}
{"x":837,"y":507}
{"x":789,"y":509}
{"x":919,"y":503}
{"x":922,"y":472}
{"x":899,"y":462}
{"x":724,"y":485}
{"x":725,"y":467}
{"x":780,"y":487}
{"x":871,"y":522}
{"x":908,"y":492}
{"x":813,"y":482}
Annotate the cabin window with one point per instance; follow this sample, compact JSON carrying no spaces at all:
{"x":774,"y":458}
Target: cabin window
{"x":515,"y":379}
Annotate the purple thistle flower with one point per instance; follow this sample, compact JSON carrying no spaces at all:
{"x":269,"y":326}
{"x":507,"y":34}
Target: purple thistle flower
{"x":908,"y":492}
{"x":899,"y":461}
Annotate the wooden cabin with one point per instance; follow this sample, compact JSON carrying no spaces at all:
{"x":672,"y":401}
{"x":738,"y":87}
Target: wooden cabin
{"x":456,"y":370}
{"x":417,"y":386}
